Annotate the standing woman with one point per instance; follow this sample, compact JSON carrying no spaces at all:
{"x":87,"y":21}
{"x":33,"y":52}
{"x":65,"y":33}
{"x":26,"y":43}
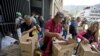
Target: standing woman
{"x":65,"y":25}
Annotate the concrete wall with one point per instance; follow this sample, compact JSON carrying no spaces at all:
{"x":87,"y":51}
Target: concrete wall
{"x":44,"y":5}
{"x":36,"y":3}
{"x":57,"y":5}
{"x":47,"y":9}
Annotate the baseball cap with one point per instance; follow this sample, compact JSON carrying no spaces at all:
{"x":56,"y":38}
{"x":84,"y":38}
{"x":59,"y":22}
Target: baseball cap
{"x":18,"y":14}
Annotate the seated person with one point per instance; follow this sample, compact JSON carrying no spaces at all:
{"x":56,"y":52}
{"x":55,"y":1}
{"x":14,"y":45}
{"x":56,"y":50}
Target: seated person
{"x":7,"y":40}
{"x":28,"y":26}
{"x":90,"y":35}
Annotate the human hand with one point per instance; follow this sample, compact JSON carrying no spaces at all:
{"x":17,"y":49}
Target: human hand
{"x":59,"y":36}
{"x":85,"y":41}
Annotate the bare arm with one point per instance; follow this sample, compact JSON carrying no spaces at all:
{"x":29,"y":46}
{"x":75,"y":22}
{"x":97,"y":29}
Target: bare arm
{"x":52,"y":34}
{"x":34,"y":27}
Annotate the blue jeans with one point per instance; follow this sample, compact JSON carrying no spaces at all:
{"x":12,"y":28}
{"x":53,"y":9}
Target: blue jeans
{"x":40,"y":34}
{"x":64,"y":34}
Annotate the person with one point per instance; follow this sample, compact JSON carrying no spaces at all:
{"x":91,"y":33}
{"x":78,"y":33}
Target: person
{"x":41,"y":21}
{"x":79,"y":21}
{"x":36,"y":17}
{"x":33,"y":17}
{"x":73,"y":28}
{"x":18,"y":22}
{"x":41,"y":24}
{"x":84,"y":24}
{"x":91,"y":35}
{"x":53,"y":28}
{"x":7,"y":40}
{"x":28,"y":26}
{"x":65,"y":27}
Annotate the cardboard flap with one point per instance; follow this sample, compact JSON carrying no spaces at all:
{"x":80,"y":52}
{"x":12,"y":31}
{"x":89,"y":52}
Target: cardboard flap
{"x":86,"y":47}
{"x":24,"y":37}
{"x":64,"y":45}
{"x":57,"y":46}
{"x":26,"y":42}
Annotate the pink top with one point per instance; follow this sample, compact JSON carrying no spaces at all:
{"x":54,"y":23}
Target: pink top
{"x":80,"y":34}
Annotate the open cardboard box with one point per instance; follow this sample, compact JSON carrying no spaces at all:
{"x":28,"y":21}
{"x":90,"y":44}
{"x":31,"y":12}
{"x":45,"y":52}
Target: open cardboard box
{"x":86,"y":50}
{"x":28,"y":44}
{"x":63,"y":48}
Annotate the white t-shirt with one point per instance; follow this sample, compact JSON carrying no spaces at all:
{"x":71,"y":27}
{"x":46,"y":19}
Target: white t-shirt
{"x":34,"y":20}
{"x":18,"y":20}
{"x":79,"y":23}
{"x":7,"y":41}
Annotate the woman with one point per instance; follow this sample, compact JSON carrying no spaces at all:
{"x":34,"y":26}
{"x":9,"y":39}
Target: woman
{"x":91,"y":35}
{"x":65,"y":27}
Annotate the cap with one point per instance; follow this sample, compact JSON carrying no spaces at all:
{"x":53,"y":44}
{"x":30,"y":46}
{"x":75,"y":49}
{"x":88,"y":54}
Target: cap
{"x":18,"y":14}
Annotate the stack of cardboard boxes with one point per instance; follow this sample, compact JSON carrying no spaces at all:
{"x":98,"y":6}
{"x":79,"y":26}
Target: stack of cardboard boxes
{"x":28,"y":45}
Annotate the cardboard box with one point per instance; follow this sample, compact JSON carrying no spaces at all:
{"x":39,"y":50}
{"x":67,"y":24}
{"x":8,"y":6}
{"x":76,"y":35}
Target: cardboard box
{"x":63,"y":49}
{"x":28,"y":45}
{"x":85,"y":50}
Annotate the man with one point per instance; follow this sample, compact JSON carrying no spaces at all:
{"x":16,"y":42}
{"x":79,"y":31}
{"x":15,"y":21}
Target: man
{"x":33,"y":17}
{"x":28,"y":25}
{"x":41,"y":21}
{"x":41,"y":24}
{"x":73,"y":28}
{"x":18,"y":22}
{"x":52,"y":29}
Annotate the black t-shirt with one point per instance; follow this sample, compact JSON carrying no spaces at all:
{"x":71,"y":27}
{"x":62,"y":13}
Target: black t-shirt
{"x":90,"y":36}
{"x":25,"y":27}
{"x":41,"y":22}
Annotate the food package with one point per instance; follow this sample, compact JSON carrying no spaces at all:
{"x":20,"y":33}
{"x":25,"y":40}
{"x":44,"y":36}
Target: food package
{"x":63,"y":48}
{"x":28,"y":45}
{"x":87,"y":50}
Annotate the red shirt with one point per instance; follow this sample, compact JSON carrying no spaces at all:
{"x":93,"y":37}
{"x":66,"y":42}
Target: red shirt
{"x":52,"y":27}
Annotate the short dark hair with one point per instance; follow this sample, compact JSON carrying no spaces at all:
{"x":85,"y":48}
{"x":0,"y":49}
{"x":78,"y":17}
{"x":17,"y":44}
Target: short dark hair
{"x":59,"y":14}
